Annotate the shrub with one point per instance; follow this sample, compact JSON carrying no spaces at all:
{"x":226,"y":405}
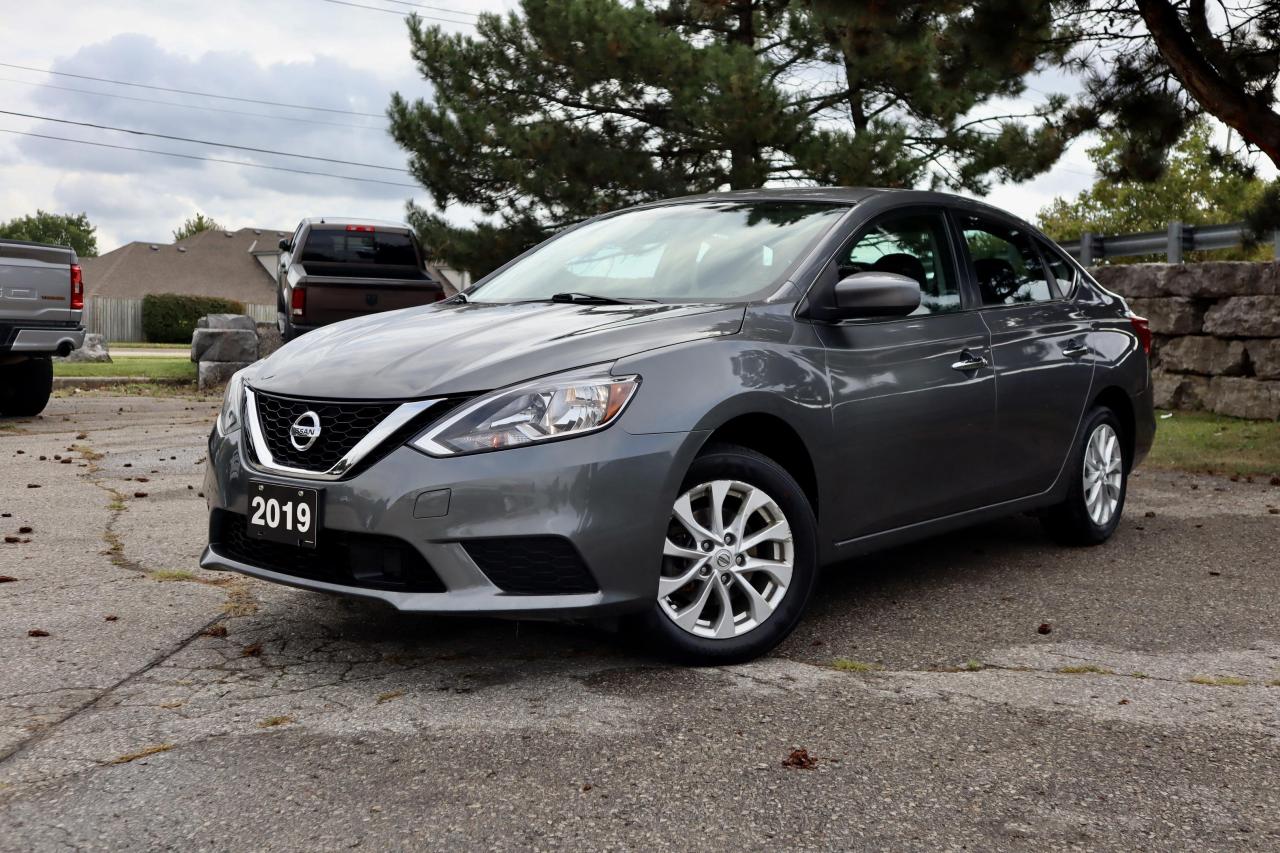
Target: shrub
{"x":168,"y":318}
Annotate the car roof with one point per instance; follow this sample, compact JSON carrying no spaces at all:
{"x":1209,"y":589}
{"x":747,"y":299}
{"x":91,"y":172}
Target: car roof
{"x":845,"y":195}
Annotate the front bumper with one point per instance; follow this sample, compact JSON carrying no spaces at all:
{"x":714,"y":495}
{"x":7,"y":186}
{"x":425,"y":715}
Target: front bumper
{"x":609,"y":494}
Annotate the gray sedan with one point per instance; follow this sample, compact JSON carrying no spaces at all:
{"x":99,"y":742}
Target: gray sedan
{"x":672,"y":416}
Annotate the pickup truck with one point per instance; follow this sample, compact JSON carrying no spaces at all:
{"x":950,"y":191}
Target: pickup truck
{"x":336,"y":269}
{"x":41,"y":304}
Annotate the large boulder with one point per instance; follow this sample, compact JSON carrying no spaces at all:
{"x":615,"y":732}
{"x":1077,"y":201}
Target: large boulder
{"x":1203,"y":354}
{"x":94,"y":349}
{"x":1179,"y":391}
{"x":269,"y":339}
{"x":1170,"y":315}
{"x":1208,"y":280}
{"x":211,"y":374}
{"x":1264,"y":355}
{"x":1245,"y":317}
{"x":1245,"y":398}
{"x":224,"y":345}
{"x":242,"y":322}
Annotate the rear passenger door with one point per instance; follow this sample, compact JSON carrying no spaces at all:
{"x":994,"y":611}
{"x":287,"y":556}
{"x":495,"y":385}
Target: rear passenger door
{"x":1039,"y":350}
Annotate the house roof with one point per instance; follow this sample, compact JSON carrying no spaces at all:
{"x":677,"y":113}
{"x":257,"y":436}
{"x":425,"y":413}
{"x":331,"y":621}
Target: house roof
{"x":212,"y":263}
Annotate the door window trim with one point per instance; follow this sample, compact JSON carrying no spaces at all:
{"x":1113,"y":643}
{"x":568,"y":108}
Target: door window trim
{"x":819,"y":291}
{"x":971,"y":274}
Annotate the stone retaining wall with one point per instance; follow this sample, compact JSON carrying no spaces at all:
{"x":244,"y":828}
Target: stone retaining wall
{"x":1217,"y":332}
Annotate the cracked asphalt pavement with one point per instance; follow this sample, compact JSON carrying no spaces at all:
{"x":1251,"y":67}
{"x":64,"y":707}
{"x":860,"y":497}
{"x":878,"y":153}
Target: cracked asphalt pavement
{"x":982,"y":690}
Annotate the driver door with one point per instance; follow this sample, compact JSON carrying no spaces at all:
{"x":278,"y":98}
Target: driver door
{"x":913,"y":398}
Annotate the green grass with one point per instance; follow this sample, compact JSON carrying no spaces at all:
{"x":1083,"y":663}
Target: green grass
{"x":152,"y":368}
{"x":1201,"y":441}
{"x":1085,"y":668}
{"x":1220,"y":680}
{"x":846,"y":665}
{"x":145,"y":345}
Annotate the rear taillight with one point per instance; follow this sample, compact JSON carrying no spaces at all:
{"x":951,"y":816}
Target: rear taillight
{"x":368,"y":228}
{"x":298,"y":301}
{"x":77,"y":288}
{"x":1142,"y":328}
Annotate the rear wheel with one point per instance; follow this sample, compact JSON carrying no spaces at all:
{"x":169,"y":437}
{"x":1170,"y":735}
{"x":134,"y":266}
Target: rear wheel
{"x":739,"y":560}
{"x":25,"y":387}
{"x":1099,"y":481}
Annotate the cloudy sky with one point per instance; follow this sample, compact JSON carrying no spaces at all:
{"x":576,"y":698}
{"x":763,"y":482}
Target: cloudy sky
{"x":319,"y":53}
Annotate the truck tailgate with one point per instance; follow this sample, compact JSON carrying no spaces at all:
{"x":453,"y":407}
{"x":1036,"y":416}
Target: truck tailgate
{"x":330,"y":299}
{"x":35,"y":283}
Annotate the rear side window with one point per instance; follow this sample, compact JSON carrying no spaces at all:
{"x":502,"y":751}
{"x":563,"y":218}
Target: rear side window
{"x":913,"y":245}
{"x":339,"y":246}
{"x":1061,"y":271}
{"x":1005,"y":264}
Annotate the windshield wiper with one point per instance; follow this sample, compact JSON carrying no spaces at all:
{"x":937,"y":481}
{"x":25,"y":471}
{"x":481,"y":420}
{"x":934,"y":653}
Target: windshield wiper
{"x":592,"y":299}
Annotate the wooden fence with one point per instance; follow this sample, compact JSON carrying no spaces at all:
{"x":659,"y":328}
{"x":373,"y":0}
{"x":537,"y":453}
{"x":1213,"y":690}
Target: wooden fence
{"x":121,"y":319}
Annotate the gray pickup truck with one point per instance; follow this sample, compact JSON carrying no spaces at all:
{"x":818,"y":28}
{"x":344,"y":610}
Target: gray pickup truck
{"x":336,"y":269}
{"x":41,"y":303}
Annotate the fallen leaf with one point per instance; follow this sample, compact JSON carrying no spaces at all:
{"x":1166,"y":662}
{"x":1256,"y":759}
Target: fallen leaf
{"x":7,"y":579}
{"x":11,"y":540}
{"x":1044,"y":628}
{"x":216,"y":631}
{"x":81,"y":436}
{"x":252,"y":650}
{"x":139,"y":494}
{"x":1215,"y":574}
{"x":800,"y":758}
{"x":24,"y":529}
{"x":1123,"y":702}
{"x":586,"y":787}
{"x":143,"y":479}
{"x":37,"y":632}
{"x":33,"y":485}
{"x":111,"y":617}
{"x":1149,"y":514}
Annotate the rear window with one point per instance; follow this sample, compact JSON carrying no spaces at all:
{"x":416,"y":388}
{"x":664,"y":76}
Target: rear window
{"x":340,"y":246}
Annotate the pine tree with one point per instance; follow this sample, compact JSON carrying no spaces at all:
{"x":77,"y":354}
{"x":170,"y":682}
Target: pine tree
{"x":570,"y":108}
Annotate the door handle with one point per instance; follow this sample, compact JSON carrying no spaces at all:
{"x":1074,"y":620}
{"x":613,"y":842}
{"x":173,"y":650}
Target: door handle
{"x":1074,"y":347}
{"x":969,"y":361}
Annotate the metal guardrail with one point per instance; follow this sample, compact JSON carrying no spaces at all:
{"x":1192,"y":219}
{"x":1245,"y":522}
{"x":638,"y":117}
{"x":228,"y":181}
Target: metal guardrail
{"x":1172,"y":243}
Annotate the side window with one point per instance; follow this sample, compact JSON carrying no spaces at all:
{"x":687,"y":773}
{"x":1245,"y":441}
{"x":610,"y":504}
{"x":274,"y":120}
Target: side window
{"x":1060,"y":269}
{"x":1007,"y":268}
{"x":914,"y":245}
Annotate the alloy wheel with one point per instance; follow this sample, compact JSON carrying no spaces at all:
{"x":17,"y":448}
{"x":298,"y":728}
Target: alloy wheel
{"x":1103,"y":474}
{"x":727,"y":560}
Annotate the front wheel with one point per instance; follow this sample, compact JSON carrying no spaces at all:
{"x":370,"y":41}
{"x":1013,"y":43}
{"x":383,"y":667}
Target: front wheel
{"x":1099,"y":482}
{"x":739,"y":560}
{"x":25,"y":387}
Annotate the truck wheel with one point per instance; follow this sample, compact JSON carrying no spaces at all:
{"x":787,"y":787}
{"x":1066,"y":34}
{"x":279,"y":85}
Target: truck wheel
{"x":287,"y":332}
{"x":25,"y":387}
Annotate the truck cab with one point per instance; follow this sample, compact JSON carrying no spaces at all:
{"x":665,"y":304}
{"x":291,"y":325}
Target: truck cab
{"x":336,"y":269}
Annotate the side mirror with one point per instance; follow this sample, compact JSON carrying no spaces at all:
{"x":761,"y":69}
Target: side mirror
{"x":283,"y":244}
{"x":876,"y":294}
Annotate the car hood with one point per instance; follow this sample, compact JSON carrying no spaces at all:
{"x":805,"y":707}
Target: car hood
{"x":458,"y":348}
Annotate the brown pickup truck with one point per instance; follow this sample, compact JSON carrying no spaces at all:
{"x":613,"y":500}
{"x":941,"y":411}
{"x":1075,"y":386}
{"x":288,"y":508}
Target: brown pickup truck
{"x":336,"y":269}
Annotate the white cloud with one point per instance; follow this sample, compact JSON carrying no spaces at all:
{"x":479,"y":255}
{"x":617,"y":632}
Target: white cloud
{"x":295,"y":51}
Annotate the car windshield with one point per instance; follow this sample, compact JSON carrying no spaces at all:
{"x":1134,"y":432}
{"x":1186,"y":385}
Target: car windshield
{"x":698,"y":252}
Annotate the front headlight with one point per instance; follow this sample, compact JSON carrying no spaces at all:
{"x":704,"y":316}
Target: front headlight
{"x":232,"y":413}
{"x":555,"y":407}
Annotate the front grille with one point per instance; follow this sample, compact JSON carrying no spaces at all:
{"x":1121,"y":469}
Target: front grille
{"x":349,"y":559}
{"x":342,"y":425}
{"x":532,"y":565}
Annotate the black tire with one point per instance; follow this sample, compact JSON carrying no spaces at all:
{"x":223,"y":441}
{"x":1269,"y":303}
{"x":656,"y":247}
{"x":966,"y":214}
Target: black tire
{"x":287,"y":332}
{"x":730,"y":462}
{"x":1070,"y":522}
{"x":25,"y":387}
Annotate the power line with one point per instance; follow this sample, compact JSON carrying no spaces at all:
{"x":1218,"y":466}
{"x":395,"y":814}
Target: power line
{"x":462,"y":12}
{"x":191,"y":106}
{"x":192,"y":92}
{"x":398,"y":12}
{"x":209,"y":159}
{"x":204,"y":142}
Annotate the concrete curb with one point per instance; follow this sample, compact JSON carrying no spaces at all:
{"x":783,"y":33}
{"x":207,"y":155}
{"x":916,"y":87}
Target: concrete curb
{"x":87,"y":382}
